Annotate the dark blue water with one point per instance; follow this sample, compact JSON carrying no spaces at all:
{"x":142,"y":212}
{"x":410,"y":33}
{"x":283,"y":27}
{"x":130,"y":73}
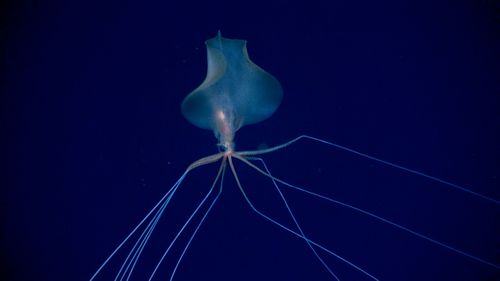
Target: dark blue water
{"x":93,"y":136}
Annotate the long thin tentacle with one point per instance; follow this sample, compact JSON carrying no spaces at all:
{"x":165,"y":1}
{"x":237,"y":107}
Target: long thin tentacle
{"x":294,"y":219}
{"x":161,"y":201}
{"x":128,"y":265}
{"x":369,"y":214}
{"x":200,"y":223}
{"x":412,"y":171}
{"x":188,"y":221}
{"x":286,"y":228}
{"x":165,"y":199}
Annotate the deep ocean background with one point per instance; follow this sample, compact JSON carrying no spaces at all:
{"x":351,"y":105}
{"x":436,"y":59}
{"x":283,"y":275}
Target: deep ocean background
{"x":92,"y":136}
